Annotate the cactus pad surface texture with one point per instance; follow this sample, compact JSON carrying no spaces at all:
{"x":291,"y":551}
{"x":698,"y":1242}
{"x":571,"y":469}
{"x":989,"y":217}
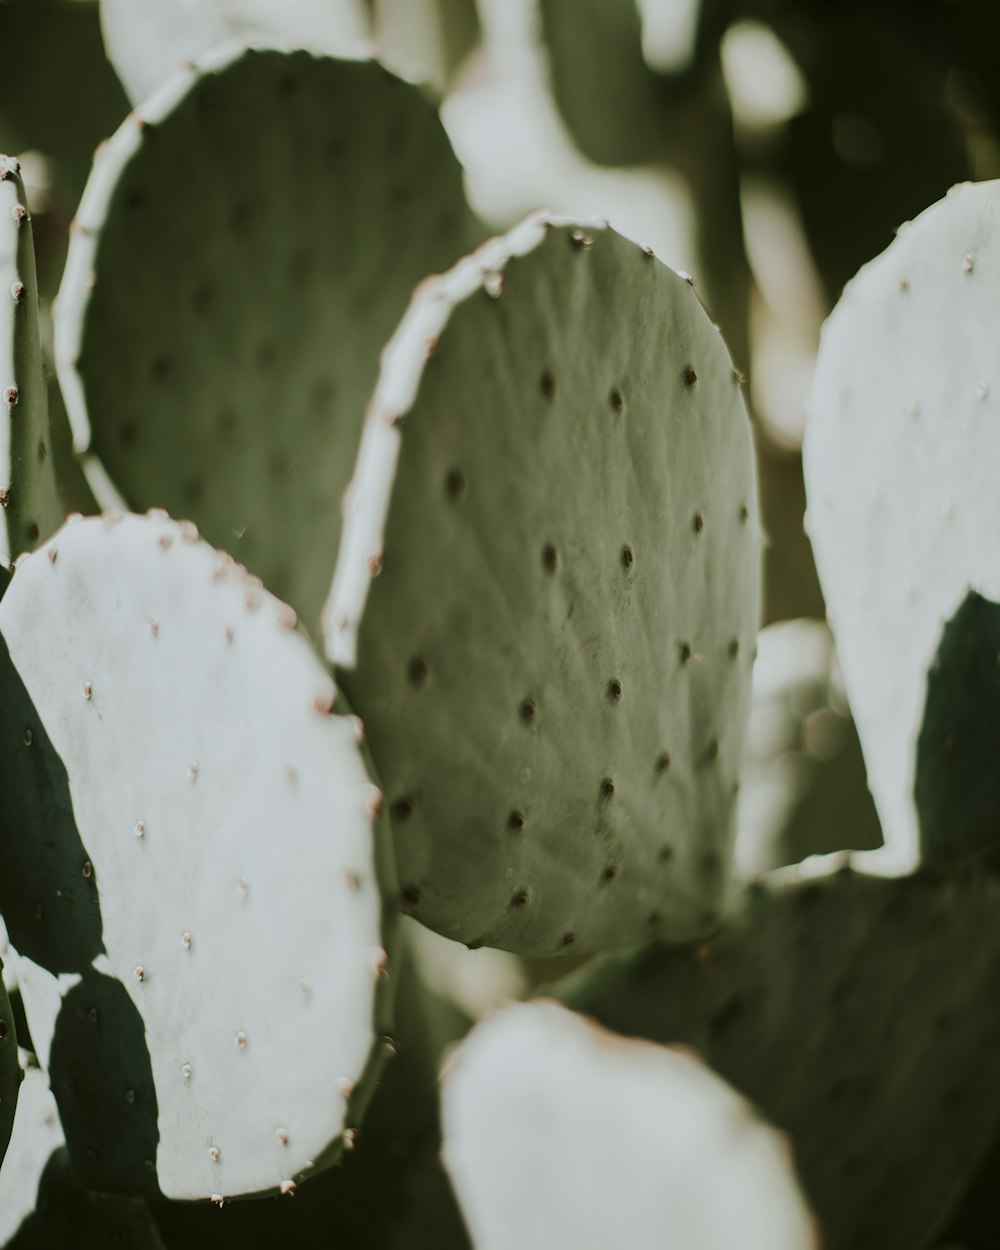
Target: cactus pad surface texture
{"x":29,"y":503}
{"x":558,"y":1133}
{"x":900,"y":459}
{"x":191,"y":880}
{"x":860,"y":1015}
{"x":245,"y":245}
{"x":546,"y":598}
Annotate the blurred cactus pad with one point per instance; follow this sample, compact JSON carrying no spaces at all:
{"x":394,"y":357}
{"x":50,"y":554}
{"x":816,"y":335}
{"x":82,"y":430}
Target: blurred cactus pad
{"x":499,"y":625}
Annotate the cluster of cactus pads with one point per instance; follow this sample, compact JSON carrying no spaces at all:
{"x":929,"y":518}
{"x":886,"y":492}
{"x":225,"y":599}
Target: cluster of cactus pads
{"x":423,"y":579}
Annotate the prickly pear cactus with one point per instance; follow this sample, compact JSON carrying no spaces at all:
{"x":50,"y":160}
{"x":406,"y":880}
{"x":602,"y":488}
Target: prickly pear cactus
{"x":904,"y":516}
{"x":553,"y":660}
{"x":860,"y":1015}
{"x":29,"y":503}
{"x":246,"y":243}
{"x":192,"y":862}
{"x":557,"y":1133}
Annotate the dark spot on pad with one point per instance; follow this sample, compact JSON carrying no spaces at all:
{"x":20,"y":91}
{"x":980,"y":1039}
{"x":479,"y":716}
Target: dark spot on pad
{"x":411,"y":896}
{"x":698,"y":522}
{"x":567,"y":939}
{"x":666,"y":853}
{"x":744,"y":513}
{"x":515,"y":821}
{"x":628,"y":559}
{"x":663,"y":762}
{"x":617,"y":400}
{"x":685,"y":652}
{"x":550,"y":557}
{"x":609,"y":873}
{"x":607,"y":787}
{"x":402,"y":809}
{"x":418,"y":671}
{"x":128,"y":432}
{"x":528,"y":711}
{"x":454,"y":485}
{"x":689,"y":376}
{"x":615,"y":690}
{"x":520,"y":899}
{"x":548,"y":384}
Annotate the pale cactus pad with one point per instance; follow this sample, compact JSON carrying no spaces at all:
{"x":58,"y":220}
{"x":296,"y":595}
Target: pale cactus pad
{"x":192,"y":865}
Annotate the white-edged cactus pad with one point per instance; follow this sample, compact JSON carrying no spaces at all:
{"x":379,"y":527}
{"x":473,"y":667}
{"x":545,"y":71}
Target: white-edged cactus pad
{"x":195,"y":864}
{"x":559,"y":1133}
{"x":546,"y":595}
{"x":900,"y":457}
{"x":29,"y":502}
{"x":247,"y":241}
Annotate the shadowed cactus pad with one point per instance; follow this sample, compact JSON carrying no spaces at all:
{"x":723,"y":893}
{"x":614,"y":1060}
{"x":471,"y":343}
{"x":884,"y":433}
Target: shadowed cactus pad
{"x":29,"y":502}
{"x":246,"y":244}
{"x":858,"y":1014}
{"x":556,"y":492}
{"x":42,"y":1206}
{"x":189,"y":865}
{"x":558,"y":1133}
{"x":900,"y":460}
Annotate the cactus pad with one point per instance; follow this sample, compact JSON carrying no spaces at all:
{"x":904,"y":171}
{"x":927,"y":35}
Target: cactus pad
{"x":29,"y":503}
{"x":246,"y":244}
{"x":860,"y":1015}
{"x":556,"y":481}
{"x":900,"y":454}
{"x":190,"y":879}
{"x":558,"y":1133}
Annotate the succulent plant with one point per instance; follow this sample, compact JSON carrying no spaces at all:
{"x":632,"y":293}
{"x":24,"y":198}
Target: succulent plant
{"x":469,"y":635}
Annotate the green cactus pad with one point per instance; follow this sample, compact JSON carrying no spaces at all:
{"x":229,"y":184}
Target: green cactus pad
{"x":860,"y":1015}
{"x":900,"y":460}
{"x":557,"y":1133}
{"x":42,"y":1206}
{"x":556,"y":481}
{"x":246,"y":244}
{"x":803,"y":791}
{"x":29,"y":503}
{"x":191,"y":880}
